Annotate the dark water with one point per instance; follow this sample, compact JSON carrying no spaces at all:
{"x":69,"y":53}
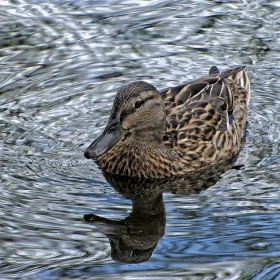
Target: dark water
{"x":61,"y":65}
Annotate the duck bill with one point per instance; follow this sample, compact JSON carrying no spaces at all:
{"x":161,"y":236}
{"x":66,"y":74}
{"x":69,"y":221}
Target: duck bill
{"x":112,"y":133}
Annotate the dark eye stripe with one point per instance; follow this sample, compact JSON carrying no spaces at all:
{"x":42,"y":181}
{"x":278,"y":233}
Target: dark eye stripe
{"x":139,"y":103}
{"x":130,"y":111}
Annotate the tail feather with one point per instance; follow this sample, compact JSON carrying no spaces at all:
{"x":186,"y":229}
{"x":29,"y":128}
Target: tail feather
{"x":242,"y":79}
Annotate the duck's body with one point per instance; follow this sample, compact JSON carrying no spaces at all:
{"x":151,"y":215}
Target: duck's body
{"x":155,"y":134}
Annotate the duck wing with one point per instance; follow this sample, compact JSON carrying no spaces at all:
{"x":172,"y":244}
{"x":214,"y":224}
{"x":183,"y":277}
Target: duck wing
{"x":200,"y":108}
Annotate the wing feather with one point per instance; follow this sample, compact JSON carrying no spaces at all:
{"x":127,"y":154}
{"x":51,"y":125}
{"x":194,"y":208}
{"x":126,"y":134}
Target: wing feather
{"x":200,"y":108}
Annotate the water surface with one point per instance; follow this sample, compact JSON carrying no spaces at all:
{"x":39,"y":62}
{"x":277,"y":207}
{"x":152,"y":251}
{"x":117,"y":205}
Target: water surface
{"x":61,"y":65}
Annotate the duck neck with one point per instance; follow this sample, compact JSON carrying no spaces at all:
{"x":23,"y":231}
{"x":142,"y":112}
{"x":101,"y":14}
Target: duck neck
{"x":148,"y":137}
{"x":146,"y":159}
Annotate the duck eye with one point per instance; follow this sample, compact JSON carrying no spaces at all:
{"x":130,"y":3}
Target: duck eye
{"x":138,"y":103}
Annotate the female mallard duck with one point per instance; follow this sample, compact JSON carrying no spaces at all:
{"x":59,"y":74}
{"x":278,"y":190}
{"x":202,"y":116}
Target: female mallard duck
{"x":155,"y":134}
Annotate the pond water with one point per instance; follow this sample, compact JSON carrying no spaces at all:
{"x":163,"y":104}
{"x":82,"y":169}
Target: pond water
{"x":61,"y":64}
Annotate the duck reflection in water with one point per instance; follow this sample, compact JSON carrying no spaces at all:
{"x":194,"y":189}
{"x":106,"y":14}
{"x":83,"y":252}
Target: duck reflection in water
{"x":134,"y":238}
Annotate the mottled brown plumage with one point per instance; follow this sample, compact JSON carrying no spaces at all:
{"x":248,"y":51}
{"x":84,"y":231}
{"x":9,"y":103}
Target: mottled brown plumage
{"x":155,"y":134}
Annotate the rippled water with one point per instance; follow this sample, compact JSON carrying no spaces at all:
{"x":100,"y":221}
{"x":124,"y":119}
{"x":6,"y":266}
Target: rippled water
{"x":61,"y":65}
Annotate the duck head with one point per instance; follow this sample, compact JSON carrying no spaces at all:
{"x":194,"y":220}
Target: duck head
{"x":138,"y":115}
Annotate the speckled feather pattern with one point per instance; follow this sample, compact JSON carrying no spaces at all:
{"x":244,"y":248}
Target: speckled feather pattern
{"x":205,"y":123}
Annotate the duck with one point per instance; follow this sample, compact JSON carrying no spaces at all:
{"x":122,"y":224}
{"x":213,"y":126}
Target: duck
{"x":181,"y":129}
